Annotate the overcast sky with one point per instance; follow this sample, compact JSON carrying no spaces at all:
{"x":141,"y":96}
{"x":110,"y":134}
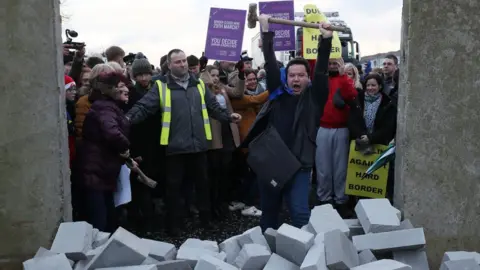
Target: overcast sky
{"x":156,"y":26}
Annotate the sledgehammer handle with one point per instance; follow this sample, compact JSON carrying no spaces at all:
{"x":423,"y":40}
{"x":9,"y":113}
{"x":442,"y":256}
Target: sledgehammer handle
{"x":305,"y":24}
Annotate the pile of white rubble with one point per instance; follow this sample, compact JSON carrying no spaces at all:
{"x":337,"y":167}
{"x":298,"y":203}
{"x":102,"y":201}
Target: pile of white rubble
{"x":327,"y":242}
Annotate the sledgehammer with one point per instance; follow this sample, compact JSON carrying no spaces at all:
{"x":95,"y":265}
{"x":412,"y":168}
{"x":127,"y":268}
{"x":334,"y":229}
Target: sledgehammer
{"x":253,"y":18}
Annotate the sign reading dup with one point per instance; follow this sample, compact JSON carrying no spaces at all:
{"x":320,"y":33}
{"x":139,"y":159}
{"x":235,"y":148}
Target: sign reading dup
{"x":225,"y":34}
{"x":284,"y":34}
{"x":311,"y":36}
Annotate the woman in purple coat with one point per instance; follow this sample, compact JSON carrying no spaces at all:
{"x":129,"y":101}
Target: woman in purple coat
{"x":104,"y":149}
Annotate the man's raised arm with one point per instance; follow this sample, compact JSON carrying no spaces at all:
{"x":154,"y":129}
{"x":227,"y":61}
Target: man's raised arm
{"x":271,"y":67}
{"x":320,"y":77}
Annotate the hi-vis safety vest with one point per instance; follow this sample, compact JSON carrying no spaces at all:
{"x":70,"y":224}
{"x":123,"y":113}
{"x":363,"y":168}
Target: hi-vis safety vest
{"x":166,"y":105}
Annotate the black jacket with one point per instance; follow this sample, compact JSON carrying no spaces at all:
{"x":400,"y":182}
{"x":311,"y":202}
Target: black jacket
{"x":309,"y":107}
{"x":187,"y":132}
{"x":385,"y":124}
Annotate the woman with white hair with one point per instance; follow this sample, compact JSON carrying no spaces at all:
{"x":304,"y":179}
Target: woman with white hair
{"x":352,"y":72}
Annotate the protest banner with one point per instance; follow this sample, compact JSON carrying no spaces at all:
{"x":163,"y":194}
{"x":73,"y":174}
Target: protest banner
{"x":358,"y":182}
{"x":284,"y":39}
{"x":225,"y":34}
{"x":310,"y":36}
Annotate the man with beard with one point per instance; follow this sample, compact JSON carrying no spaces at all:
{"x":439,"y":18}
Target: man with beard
{"x":185,"y":103}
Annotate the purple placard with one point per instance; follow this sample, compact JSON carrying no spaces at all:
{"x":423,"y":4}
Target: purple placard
{"x":225,"y":34}
{"x":284,"y":34}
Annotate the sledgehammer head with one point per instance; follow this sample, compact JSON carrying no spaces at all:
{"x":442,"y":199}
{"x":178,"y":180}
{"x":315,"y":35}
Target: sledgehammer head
{"x":252,"y":17}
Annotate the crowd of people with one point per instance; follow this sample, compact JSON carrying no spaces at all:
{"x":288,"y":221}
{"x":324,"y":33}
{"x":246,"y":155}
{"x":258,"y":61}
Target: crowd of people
{"x":220,"y":137}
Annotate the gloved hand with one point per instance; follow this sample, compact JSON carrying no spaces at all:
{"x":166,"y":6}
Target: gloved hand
{"x":240,"y":67}
{"x":338,"y":100}
{"x":203,"y":62}
{"x":363,"y":140}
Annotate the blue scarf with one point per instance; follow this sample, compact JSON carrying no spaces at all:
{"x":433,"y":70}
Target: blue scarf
{"x":283,"y":88}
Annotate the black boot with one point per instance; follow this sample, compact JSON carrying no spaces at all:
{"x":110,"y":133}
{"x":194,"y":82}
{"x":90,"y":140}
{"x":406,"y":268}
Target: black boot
{"x":344,"y":211}
{"x":324,"y":202}
{"x":174,"y":226}
{"x":206,"y":221}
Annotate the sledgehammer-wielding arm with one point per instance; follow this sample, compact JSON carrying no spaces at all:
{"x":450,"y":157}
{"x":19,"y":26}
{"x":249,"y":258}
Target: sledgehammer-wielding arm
{"x":271,"y":67}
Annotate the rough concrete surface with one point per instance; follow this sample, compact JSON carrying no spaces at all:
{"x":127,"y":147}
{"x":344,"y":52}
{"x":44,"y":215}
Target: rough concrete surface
{"x":438,"y":151}
{"x":35,"y":189}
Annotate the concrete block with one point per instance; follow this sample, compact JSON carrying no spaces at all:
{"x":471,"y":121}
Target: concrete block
{"x":465,"y":264}
{"x":319,"y":239}
{"x":122,"y":249}
{"x":417,"y":259}
{"x":391,"y":241}
{"x":43,"y":252}
{"x":100,"y":239}
{"x":252,"y":257}
{"x":73,"y":239}
{"x":192,"y":255}
{"x":406,"y":225}
{"x":160,"y":251}
{"x":197,"y":243}
{"x":231,"y":247}
{"x":91,"y":253}
{"x":270,"y":235}
{"x":307,"y":229}
{"x":81,"y":265}
{"x":340,"y":252}
{"x":315,"y":259}
{"x":461,"y":255}
{"x":377,"y":215}
{"x":211,"y":263}
{"x":366,"y":256}
{"x":136,"y":267}
{"x":293,"y":243}
{"x":354,"y":226}
{"x":383,"y":265}
{"x":174,"y":265}
{"x":222,"y":256}
{"x":253,"y":236}
{"x":278,"y":263}
{"x":53,"y":262}
{"x":324,"y":219}
{"x":149,"y":261}
{"x":398,"y":213}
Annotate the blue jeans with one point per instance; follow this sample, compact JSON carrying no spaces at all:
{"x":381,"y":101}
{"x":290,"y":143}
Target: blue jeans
{"x":296,"y":194}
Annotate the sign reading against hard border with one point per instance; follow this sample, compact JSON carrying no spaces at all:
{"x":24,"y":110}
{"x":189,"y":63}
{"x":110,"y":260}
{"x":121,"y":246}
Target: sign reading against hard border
{"x":360,"y":184}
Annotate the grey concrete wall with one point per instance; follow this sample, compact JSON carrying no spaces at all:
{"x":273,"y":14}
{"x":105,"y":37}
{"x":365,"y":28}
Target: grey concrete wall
{"x":438,"y":156}
{"x":34,"y":174}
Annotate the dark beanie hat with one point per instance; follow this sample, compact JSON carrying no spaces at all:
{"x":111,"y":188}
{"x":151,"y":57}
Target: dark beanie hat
{"x":192,"y":61}
{"x":93,"y":61}
{"x":141,"y":66}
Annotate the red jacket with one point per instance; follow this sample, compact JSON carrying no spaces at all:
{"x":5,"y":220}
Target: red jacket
{"x":332,"y":116}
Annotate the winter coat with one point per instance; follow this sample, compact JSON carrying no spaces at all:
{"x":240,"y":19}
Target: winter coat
{"x":385,"y":123}
{"x":247,"y":108}
{"x":187,"y":131}
{"x":227,"y":92}
{"x":105,"y":137}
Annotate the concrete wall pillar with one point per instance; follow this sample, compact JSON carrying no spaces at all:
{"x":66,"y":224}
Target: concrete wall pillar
{"x":438,"y":157}
{"x":34,"y":173}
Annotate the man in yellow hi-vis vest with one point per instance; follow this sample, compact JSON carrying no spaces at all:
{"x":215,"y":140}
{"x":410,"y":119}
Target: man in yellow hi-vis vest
{"x":185,"y":103}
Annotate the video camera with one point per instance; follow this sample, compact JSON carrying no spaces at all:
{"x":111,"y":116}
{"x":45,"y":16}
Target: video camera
{"x":71,"y":45}
{"x":129,"y":58}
